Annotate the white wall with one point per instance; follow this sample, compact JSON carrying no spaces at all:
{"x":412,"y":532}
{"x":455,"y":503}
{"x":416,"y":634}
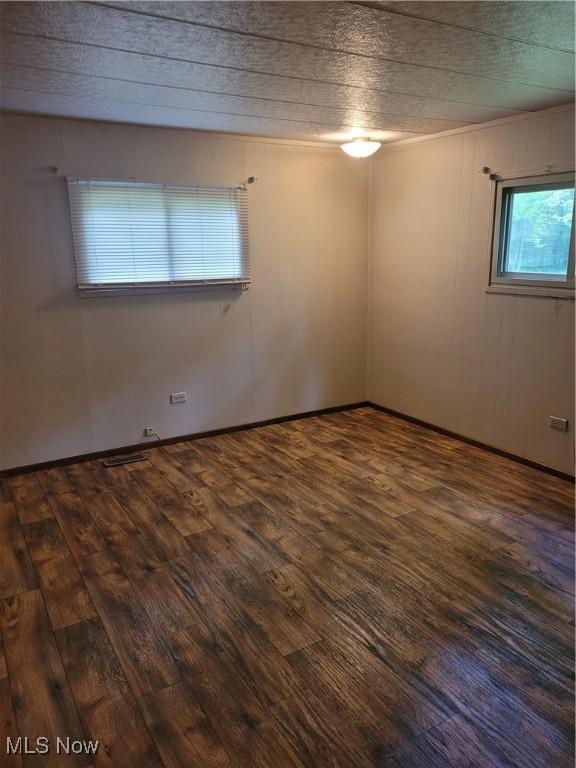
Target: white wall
{"x":82,"y":375}
{"x":490,"y":367}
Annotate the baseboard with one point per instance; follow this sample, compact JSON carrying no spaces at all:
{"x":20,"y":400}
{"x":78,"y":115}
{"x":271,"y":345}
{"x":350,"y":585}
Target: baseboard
{"x":476,"y":443}
{"x":279,"y":420}
{"x":170,"y":440}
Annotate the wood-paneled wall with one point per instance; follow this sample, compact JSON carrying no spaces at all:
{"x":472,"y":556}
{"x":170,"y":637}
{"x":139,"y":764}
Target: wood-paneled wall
{"x":80,"y":375}
{"x":490,"y":367}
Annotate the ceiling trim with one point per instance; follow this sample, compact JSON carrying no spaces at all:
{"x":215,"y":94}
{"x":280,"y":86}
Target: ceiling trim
{"x":398,"y":144}
{"x":327,"y":145}
{"x":203,"y":134}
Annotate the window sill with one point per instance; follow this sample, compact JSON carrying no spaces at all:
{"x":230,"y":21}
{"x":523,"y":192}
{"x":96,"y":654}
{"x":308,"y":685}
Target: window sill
{"x":550,"y":292}
{"x":135,"y":290}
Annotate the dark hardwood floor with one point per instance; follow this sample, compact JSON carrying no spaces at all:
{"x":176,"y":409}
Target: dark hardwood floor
{"x":347,"y":590}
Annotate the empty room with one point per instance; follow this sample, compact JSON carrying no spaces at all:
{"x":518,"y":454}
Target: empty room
{"x":287,"y":384}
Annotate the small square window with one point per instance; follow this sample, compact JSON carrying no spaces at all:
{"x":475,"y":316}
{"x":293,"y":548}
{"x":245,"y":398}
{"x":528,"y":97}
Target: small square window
{"x":533,"y":237}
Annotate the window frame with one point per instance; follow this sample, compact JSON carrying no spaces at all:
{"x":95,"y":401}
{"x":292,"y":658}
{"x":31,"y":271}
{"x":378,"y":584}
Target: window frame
{"x":164,"y":286}
{"x":518,"y":282}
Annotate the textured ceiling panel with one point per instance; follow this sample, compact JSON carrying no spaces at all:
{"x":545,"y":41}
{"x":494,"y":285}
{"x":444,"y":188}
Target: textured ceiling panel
{"x":160,"y":37}
{"x":542,"y":23}
{"x":345,"y":27}
{"x":302,"y":70}
{"x":74,"y":86}
{"x":89,"y":108}
{"x":134,"y":67}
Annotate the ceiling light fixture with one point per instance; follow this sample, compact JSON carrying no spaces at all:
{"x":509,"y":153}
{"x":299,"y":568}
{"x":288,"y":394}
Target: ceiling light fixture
{"x":361,"y":147}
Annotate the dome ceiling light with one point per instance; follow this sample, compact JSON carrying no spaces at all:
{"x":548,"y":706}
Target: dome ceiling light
{"x":361,"y":147}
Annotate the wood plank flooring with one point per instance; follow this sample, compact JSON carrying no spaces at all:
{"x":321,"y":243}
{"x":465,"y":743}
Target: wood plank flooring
{"x":342,"y":591}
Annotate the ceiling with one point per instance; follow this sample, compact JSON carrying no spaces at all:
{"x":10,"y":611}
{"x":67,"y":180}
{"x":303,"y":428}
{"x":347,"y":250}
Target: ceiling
{"x":301,"y":70}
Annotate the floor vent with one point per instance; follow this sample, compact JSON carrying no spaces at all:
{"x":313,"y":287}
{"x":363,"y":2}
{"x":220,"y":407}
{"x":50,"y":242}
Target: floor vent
{"x":128,"y":458}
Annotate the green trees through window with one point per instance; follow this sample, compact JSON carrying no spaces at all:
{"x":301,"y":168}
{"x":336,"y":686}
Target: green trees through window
{"x":539,"y":227}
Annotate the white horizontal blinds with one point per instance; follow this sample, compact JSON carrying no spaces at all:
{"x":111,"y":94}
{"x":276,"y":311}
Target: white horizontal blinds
{"x":145,"y":235}
{"x":207,"y":233}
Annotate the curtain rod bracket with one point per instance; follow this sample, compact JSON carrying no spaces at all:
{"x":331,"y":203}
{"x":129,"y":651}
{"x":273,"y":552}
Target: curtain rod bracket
{"x":249,"y":180}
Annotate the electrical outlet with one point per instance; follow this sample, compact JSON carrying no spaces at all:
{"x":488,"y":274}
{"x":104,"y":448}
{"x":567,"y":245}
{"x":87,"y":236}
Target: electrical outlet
{"x":178,"y":397}
{"x":149,"y":432}
{"x":557,"y":423}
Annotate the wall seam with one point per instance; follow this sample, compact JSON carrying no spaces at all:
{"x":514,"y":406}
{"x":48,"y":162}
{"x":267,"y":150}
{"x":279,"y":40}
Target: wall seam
{"x":368,"y":303}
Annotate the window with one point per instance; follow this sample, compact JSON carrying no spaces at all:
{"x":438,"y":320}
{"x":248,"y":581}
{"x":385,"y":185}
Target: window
{"x":533,"y":238}
{"x":137,"y":236}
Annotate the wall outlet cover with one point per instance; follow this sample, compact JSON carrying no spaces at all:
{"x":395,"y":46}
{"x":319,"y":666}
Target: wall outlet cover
{"x":558,"y":423}
{"x":178,"y":397}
